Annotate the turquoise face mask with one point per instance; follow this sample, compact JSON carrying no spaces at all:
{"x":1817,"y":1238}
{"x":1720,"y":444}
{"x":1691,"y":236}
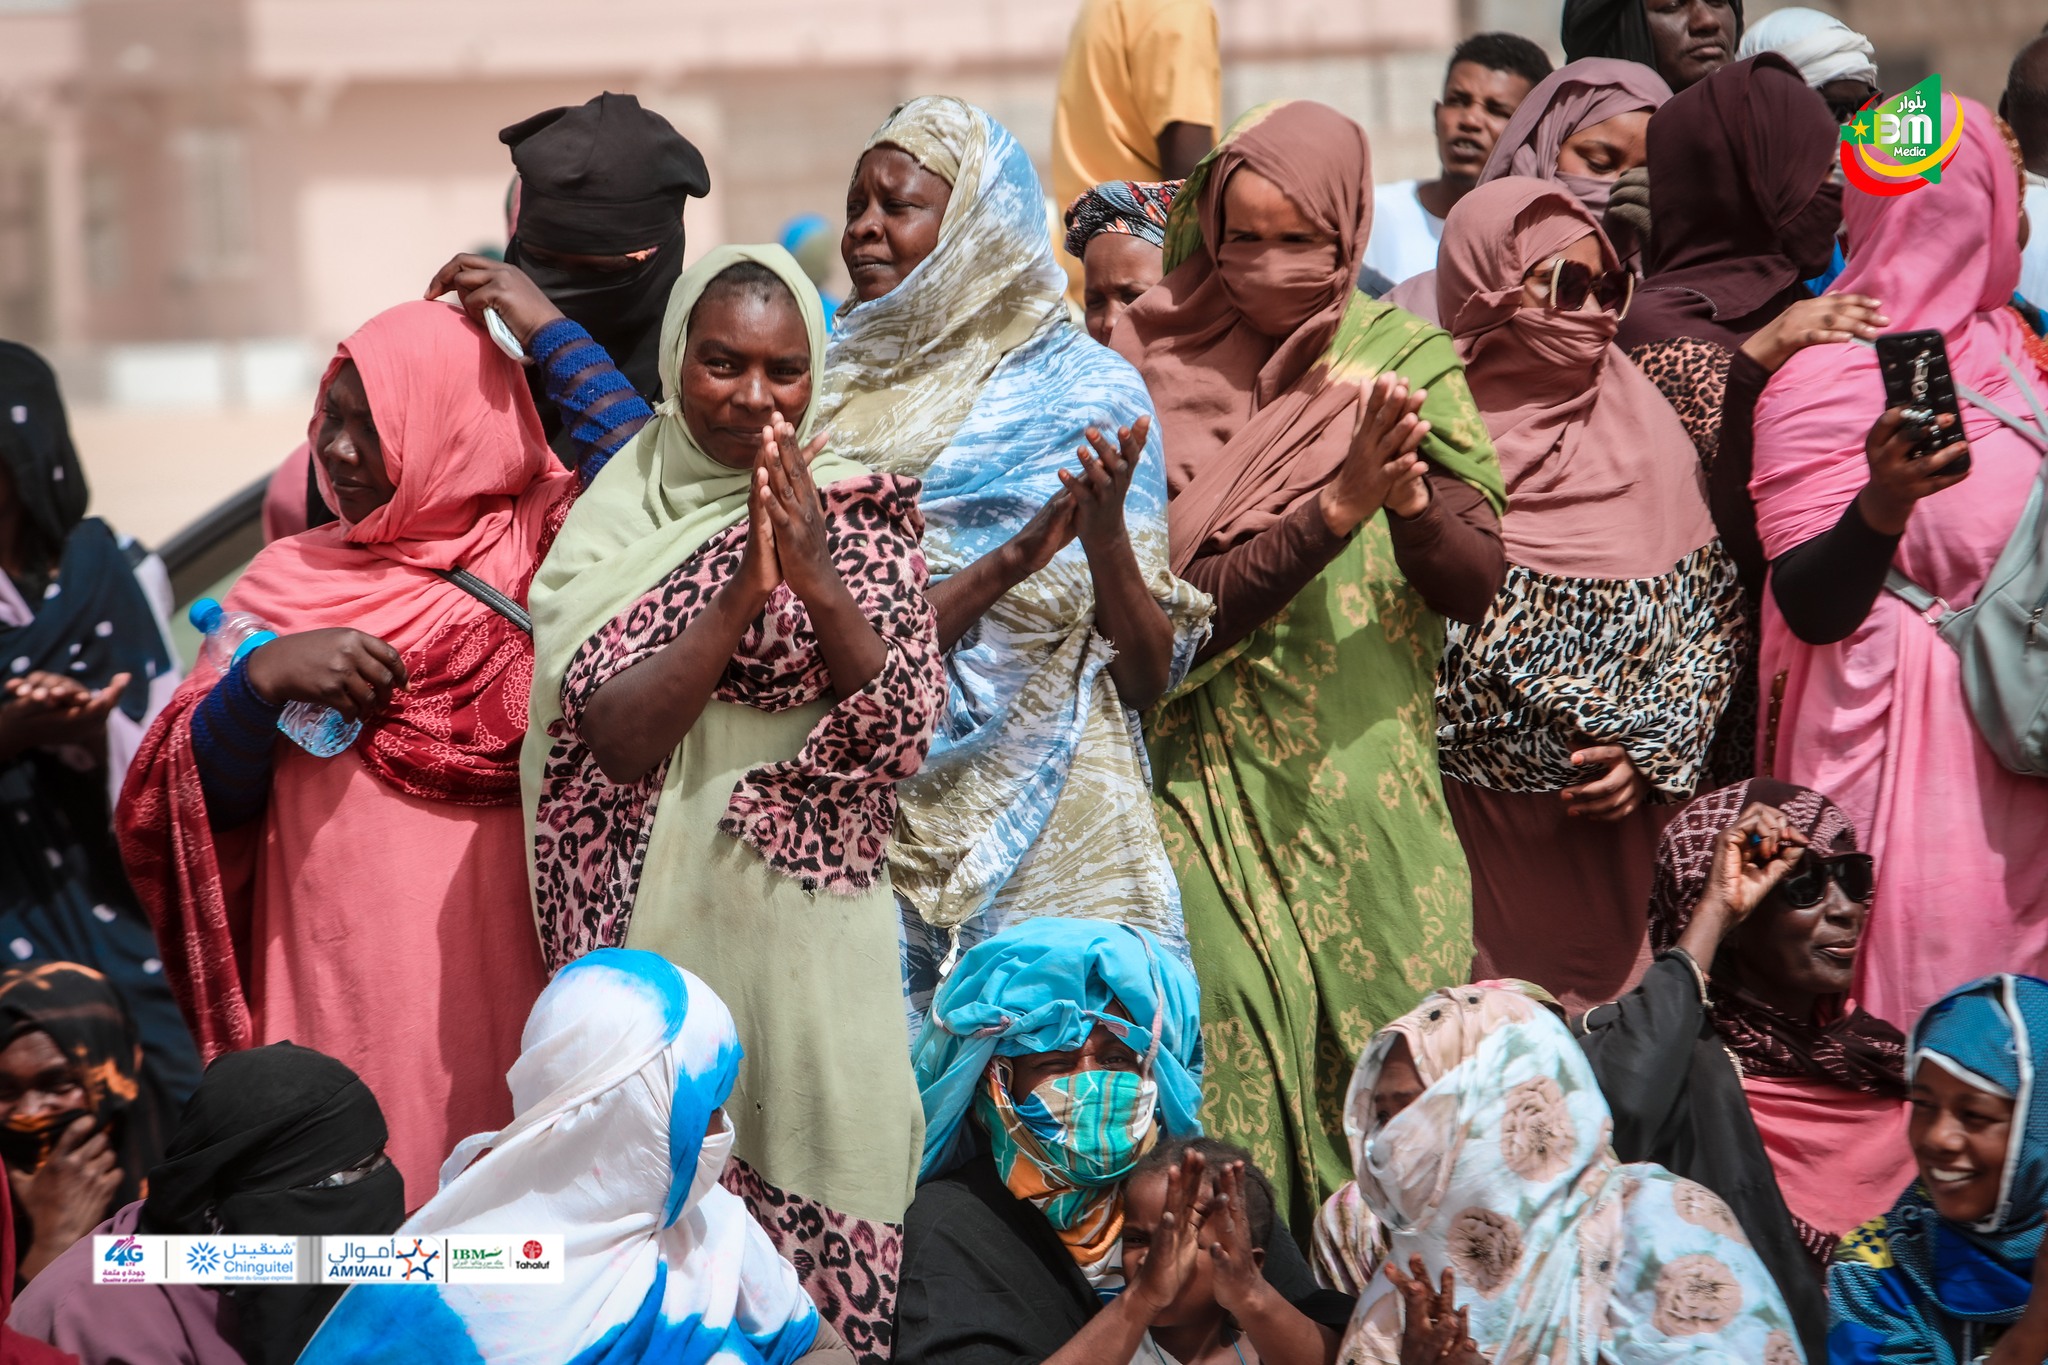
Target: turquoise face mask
{"x":1085,"y":1130}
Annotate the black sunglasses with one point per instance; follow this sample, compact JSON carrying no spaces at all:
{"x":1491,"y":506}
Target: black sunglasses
{"x":1846,"y":109}
{"x":1572,"y":282}
{"x":1807,"y":882}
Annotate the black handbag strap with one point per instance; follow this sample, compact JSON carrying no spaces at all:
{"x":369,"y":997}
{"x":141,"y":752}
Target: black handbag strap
{"x":489,"y":596}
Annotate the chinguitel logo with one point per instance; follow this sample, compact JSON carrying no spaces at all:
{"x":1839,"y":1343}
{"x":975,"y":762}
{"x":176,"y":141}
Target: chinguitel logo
{"x":126,"y":1251}
{"x":202,"y":1258}
{"x":531,"y":1250}
{"x":419,"y":1261}
{"x":1903,"y":143}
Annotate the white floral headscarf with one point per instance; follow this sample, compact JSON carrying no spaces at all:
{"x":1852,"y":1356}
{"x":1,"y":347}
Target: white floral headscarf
{"x":1502,"y":1170}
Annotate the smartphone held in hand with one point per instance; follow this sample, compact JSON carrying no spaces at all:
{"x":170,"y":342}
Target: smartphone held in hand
{"x":1914,"y":366}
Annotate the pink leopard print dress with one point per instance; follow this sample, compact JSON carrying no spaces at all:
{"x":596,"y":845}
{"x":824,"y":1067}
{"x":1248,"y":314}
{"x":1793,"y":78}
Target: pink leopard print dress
{"x":755,"y":856}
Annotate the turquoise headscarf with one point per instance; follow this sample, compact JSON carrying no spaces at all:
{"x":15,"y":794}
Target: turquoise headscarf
{"x":1913,"y":1285}
{"x":1042,"y":985}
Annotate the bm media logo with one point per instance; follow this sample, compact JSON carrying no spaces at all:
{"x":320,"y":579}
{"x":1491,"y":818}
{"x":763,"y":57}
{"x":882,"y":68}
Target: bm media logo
{"x":1903,"y":143}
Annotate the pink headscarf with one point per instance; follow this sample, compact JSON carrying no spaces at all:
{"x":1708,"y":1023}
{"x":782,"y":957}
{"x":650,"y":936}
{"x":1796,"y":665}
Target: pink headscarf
{"x":474,"y":478}
{"x":1945,"y":257}
{"x":1603,"y":481}
{"x":1575,"y":96}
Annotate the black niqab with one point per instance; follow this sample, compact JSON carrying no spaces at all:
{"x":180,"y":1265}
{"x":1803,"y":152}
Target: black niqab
{"x":606,"y":178}
{"x":265,"y":1127}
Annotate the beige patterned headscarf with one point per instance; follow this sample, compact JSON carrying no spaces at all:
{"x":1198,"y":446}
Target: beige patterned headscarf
{"x":1501,"y":1172}
{"x":905,"y":368}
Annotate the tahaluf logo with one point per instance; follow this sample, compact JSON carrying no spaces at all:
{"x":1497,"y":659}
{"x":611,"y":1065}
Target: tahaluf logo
{"x":1903,"y":143}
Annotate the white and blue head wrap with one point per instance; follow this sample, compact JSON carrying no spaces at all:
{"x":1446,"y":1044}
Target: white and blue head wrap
{"x":625,"y":1064}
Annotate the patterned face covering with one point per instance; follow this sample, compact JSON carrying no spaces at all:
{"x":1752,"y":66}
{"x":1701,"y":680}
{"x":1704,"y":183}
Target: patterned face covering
{"x":1066,"y":1148}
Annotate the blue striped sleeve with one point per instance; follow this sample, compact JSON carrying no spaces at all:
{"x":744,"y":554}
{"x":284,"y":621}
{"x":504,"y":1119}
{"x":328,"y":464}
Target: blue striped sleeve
{"x":598,"y":404}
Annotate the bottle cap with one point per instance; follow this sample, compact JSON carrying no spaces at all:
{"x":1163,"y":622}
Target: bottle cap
{"x":205,"y":615}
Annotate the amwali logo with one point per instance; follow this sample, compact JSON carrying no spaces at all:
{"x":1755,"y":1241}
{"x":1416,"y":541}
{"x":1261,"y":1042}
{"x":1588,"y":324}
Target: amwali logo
{"x":419,"y":1261}
{"x":1904,"y":143}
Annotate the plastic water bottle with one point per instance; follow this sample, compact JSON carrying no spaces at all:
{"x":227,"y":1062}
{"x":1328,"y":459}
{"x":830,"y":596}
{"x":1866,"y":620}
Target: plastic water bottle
{"x":230,"y":635}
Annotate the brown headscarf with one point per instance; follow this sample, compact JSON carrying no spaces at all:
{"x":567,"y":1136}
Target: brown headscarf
{"x":1248,"y":429}
{"x":1845,"y":1046}
{"x":1739,"y":173}
{"x":1603,"y":481}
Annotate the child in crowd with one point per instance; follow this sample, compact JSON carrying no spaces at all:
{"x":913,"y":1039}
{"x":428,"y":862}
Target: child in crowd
{"x":1225,"y":1313}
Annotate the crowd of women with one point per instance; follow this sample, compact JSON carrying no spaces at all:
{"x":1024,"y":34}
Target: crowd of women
{"x":1280,"y":823}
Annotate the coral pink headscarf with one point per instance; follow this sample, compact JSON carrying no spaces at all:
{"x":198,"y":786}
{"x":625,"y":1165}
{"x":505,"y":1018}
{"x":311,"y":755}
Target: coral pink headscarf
{"x":1603,"y":481}
{"x":474,"y":479}
{"x":475,"y":483}
{"x":474,"y":488}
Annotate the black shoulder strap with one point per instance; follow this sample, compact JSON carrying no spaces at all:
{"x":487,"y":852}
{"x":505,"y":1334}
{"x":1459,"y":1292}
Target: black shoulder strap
{"x":489,"y":596}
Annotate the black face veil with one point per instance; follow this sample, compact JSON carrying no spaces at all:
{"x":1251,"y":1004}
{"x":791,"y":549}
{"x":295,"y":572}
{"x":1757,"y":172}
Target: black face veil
{"x":606,"y":178}
{"x":277,"y":1140}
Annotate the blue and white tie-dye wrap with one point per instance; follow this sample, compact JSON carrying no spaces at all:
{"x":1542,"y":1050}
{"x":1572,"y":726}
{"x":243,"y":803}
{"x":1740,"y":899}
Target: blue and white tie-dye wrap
{"x":625,"y":1062}
{"x":969,"y":375}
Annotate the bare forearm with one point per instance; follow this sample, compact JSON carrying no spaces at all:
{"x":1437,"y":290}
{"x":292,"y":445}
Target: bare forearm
{"x":1135,"y":625}
{"x":1702,"y":937}
{"x":961,"y":599}
{"x":1111,"y":1337}
{"x":1181,"y":147}
{"x":853,"y":652}
{"x":639,"y":717}
{"x":1283,"y":1334}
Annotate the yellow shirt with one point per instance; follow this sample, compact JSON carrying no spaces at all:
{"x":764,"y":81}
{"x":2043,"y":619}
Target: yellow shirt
{"x":1132,"y":67}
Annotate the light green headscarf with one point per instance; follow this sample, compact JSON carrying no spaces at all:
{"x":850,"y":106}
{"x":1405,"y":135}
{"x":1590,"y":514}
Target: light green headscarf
{"x":652,"y":506}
